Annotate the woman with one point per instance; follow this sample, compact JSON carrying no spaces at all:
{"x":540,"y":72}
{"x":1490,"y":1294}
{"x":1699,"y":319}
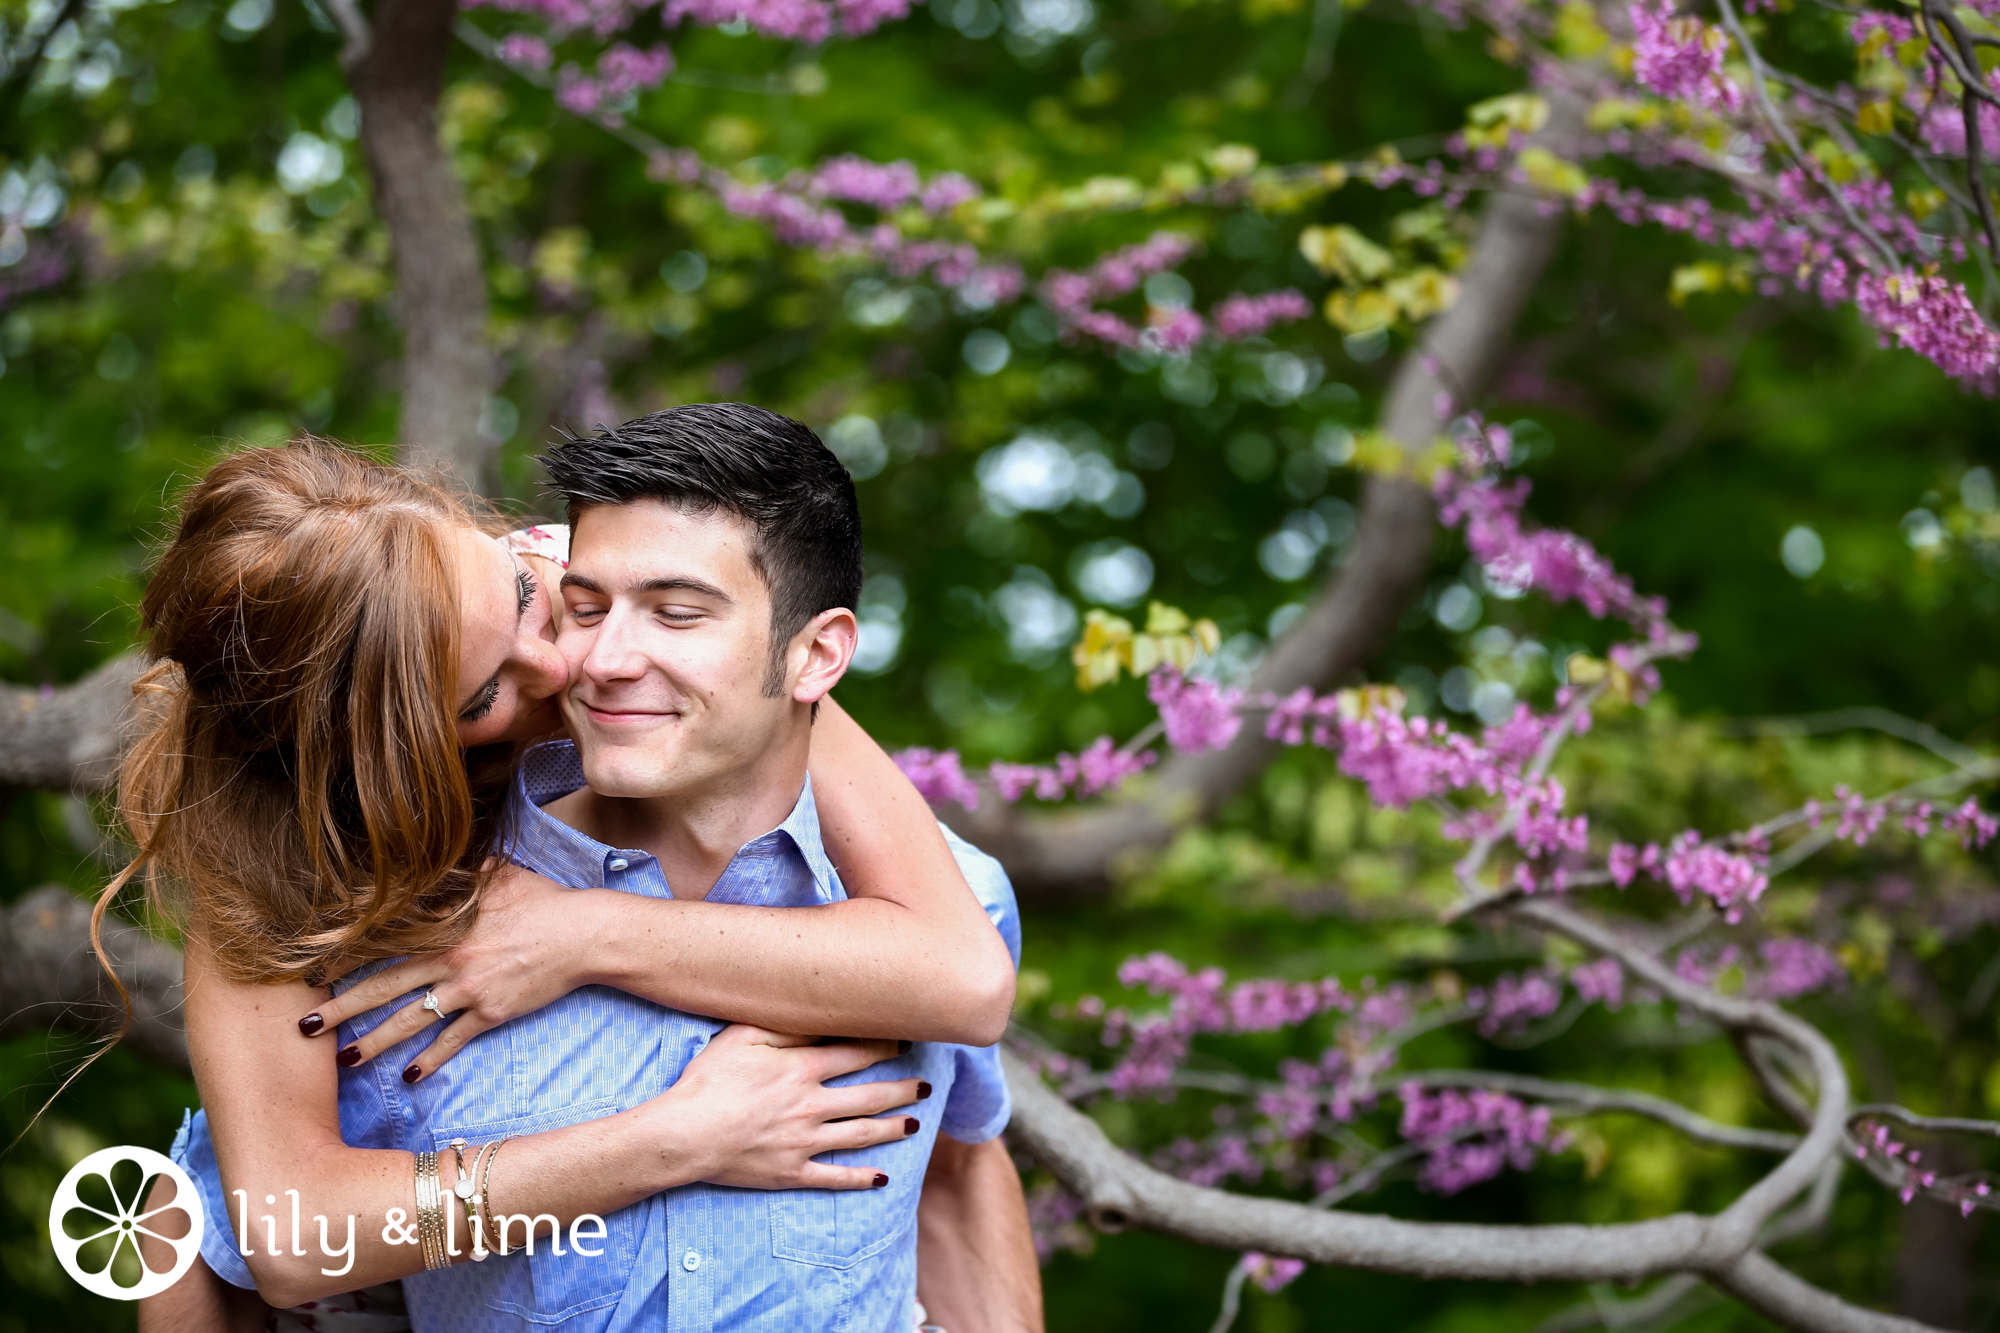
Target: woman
{"x":344,"y":661}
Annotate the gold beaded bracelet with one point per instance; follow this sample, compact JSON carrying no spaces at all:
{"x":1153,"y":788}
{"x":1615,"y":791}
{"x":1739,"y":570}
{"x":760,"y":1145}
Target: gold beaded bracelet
{"x":430,"y":1212}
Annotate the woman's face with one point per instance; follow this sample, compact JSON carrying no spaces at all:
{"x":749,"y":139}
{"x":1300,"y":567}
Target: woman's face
{"x":509,"y":671}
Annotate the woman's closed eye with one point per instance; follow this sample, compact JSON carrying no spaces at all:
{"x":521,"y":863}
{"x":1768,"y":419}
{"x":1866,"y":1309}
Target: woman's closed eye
{"x":526,"y":584}
{"x":484,"y":705}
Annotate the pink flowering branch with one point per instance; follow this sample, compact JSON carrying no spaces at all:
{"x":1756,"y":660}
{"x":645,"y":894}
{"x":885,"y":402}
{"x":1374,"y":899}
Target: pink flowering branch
{"x":1461,"y":1127}
{"x":1902,"y":1168}
{"x":1074,"y":299}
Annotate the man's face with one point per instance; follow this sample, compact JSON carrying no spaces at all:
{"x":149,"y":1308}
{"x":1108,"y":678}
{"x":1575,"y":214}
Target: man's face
{"x":666,"y":630}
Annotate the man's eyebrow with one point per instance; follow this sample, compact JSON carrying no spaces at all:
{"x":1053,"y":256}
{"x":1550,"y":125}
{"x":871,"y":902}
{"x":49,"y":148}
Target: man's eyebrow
{"x":678,"y":583}
{"x":685,"y":584}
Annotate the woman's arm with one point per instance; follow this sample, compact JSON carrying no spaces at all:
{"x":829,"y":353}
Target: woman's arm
{"x":910,"y":955}
{"x":272,"y":1108}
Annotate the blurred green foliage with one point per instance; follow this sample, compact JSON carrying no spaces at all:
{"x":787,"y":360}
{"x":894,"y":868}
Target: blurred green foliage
{"x":1694,"y":442}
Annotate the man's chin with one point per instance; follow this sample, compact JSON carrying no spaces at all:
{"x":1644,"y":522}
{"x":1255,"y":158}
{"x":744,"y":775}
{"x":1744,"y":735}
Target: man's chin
{"x":627,"y":782}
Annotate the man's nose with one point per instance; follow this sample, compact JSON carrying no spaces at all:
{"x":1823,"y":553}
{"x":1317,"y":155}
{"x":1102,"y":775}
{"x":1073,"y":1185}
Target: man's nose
{"x":612,"y":654}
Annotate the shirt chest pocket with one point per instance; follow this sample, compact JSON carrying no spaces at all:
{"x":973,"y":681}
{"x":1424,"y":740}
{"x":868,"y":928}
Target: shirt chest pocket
{"x":545,"y":1287}
{"x":841,"y":1228}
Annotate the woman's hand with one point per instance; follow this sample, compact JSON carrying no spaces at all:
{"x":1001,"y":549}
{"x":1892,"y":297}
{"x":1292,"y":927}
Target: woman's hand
{"x":525,"y":950}
{"x":753,"y":1110}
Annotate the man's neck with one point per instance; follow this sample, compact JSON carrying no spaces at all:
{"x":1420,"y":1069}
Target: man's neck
{"x":693,"y":835}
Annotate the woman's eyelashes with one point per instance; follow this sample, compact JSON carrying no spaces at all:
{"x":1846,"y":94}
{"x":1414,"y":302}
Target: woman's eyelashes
{"x":526,"y":583}
{"x":487,"y":698}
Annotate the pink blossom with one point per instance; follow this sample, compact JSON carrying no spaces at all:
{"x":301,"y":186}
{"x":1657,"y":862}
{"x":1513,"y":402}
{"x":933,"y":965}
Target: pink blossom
{"x":1680,"y":57}
{"x":1515,"y":1001}
{"x":526,"y":51}
{"x":1100,"y":767}
{"x":1197,"y":714}
{"x":1795,"y":967}
{"x":1932,"y":316}
{"x":1239,"y":316}
{"x":1472,"y":1136}
{"x":1603,"y":980}
{"x":989,"y":285}
{"x":938,"y":776}
{"x":885,"y":186}
{"x":1728,"y":880}
{"x":1173,"y":331}
{"x":623,"y":69}
{"x":1273,"y":1275}
{"x":1975,"y":827}
{"x":787,"y":20}
{"x":946,"y":191}
{"x":1106,"y":327}
{"x":861,"y":17}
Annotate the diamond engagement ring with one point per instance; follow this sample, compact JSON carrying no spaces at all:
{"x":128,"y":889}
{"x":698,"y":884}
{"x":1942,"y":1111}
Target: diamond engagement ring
{"x":431,"y":1002}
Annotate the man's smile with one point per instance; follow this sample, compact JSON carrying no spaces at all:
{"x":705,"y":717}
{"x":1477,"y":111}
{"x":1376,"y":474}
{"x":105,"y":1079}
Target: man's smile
{"x":617,"y":716}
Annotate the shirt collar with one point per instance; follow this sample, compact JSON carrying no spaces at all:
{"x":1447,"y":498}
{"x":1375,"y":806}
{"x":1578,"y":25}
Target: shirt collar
{"x":541,"y":841}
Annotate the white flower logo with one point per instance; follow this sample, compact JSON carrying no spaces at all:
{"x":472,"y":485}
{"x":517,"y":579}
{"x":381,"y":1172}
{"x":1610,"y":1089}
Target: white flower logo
{"x":75,"y":1224}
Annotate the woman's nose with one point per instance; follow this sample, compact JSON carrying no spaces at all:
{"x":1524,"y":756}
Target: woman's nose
{"x":543,"y":670}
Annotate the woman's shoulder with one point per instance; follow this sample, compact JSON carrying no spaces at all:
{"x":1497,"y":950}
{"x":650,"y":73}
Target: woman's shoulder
{"x":550,"y":541}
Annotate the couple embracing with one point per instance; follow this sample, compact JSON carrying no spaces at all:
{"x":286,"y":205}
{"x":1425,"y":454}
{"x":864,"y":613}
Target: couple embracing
{"x":511,"y":864}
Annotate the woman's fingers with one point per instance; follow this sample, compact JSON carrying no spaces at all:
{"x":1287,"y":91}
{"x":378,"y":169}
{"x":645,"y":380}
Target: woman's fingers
{"x":860,"y":1099}
{"x":405,"y":1023}
{"x":845,"y":1057}
{"x":449,"y":1043}
{"x":866,"y":1133}
{"x":374,"y":992}
{"x":820,"y":1176}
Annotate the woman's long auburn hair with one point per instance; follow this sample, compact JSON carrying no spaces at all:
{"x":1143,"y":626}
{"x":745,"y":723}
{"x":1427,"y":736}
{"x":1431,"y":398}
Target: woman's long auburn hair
{"x":295,"y":787}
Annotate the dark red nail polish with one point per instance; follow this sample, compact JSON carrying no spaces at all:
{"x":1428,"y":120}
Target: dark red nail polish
{"x":904,"y":1047}
{"x":349,"y":1057}
{"x":880,"y":1180}
{"x":910,"y":1125}
{"x":311,"y":1024}
{"x":923,"y":1090}
{"x":412,"y":1074}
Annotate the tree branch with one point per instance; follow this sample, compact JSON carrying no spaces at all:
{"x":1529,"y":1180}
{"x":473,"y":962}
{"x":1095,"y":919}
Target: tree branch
{"x":354,"y":31}
{"x":67,"y":737}
{"x":1606,"y":1311}
{"x":1119,"y":1191}
{"x":1853,"y":719}
{"x":1587,"y":1098}
{"x":49,"y":976}
{"x":1058,"y":855}
{"x":1590,"y":1098}
{"x":440,"y":282}
{"x":21,"y":81}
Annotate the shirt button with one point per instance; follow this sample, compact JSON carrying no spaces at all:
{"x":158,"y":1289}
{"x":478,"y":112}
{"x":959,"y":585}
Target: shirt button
{"x":617,"y":863}
{"x":691,"y":1260}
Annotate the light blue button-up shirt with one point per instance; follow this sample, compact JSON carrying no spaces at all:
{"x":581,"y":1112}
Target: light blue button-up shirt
{"x":701,"y":1257}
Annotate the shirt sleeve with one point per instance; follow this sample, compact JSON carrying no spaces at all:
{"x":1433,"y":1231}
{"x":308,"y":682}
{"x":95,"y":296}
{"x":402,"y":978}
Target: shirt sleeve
{"x":194,"y":1153}
{"x":978,"y":1108}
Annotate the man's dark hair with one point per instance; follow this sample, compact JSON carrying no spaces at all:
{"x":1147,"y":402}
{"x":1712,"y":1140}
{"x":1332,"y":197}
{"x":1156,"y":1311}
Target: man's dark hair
{"x":766,"y":469}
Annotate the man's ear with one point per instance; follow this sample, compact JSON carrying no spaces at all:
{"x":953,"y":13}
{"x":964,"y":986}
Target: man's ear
{"x":821,"y":652}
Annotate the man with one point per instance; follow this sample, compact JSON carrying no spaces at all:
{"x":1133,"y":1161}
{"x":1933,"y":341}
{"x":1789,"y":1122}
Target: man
{"x":715,"y":559}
